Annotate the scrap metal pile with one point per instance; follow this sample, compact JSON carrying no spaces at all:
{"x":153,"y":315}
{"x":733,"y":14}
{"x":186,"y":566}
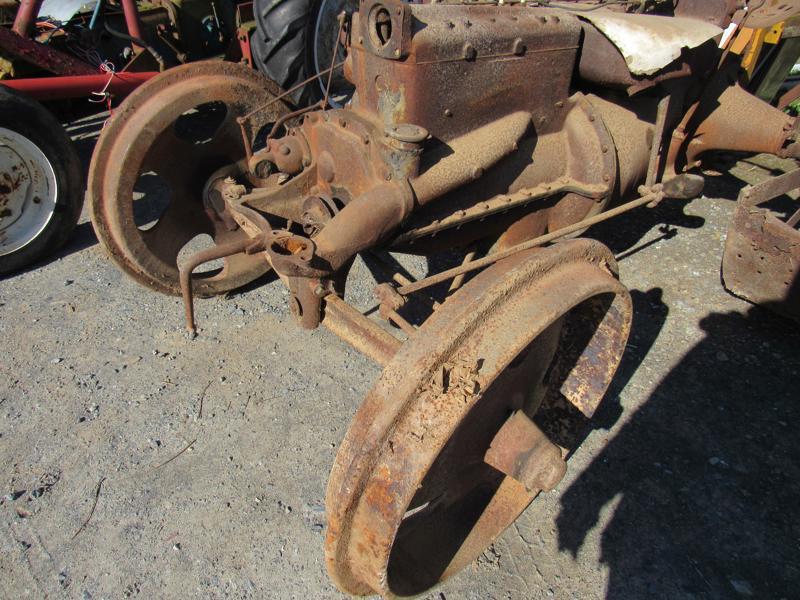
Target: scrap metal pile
{"x":489,"y":128}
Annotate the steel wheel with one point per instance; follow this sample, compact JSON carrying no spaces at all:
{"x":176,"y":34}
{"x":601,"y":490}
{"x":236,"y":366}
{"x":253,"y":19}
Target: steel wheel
{"x":30,"y":207}
{"x":473,"y":417}
{"x":153,"y":160}
{"x":41,"y":182}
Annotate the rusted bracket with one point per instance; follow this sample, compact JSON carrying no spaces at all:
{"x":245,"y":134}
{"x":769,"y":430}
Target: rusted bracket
{"x":390,"y":303}
{"x":522,"y":451}
{"x":762,"y":253}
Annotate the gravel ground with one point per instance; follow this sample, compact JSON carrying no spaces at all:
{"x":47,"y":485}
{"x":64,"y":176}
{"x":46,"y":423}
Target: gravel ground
{"x":203,"y":463}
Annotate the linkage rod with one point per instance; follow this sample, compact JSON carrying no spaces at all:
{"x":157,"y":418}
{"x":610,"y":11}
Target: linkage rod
{"x":653,"y":197}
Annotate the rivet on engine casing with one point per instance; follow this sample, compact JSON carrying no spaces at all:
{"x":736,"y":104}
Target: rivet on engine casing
{"x":448,"y":112}
{"x":518,"y":48}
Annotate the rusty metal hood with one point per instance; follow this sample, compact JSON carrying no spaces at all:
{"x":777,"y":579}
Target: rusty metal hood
{"x":650,"y":42}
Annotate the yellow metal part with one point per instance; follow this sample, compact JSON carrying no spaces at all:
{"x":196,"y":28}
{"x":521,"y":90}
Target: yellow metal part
{"x":774,"y":34}
{"x":749,"y":43}
{"x":751,"y":54}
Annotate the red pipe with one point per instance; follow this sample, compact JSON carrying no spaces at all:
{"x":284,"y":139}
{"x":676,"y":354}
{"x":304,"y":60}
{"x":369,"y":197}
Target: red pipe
{"x":132,"y":18}
{"x":78,"y":86}
{"x":26,"y":16}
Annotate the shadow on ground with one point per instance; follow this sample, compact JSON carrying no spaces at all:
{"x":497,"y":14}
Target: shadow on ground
{"x":706,"y":473}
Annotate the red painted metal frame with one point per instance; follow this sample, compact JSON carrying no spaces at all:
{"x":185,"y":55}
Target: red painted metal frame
{"x":77,"y":86}
{"x":132,"y":18}
{"x":26,"y":16}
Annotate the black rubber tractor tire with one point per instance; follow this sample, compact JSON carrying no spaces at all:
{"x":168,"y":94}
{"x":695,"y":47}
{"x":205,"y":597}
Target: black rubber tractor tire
{"x":28,"y":119}
{"x":283,"y":45}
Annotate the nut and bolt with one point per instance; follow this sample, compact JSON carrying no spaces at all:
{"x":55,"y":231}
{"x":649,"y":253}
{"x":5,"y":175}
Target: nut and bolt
{"x":263,"y":169}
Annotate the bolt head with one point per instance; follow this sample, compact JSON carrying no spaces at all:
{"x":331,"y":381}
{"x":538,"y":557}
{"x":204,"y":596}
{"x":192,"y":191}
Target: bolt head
{"x":469,"y":52}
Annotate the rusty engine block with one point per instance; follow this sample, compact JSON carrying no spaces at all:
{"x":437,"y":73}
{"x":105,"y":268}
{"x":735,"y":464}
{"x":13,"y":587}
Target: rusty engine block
{"x":424,"y":156}
{"x":483,"y":127}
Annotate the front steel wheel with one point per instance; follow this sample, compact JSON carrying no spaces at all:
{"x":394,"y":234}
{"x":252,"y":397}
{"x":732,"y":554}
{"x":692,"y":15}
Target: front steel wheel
{"x":475,"y":415}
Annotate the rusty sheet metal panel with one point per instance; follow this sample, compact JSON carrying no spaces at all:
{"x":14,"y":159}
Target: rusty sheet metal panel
{"x":454,"y":68}
{"x":762,"y":253}
{"x":650,"y":42}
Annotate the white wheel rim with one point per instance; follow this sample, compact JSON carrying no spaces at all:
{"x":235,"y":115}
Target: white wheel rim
{"x":28,"y":191}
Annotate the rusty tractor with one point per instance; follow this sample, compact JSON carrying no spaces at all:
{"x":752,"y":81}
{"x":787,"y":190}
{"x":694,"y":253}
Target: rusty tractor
{"x":501,"y":131}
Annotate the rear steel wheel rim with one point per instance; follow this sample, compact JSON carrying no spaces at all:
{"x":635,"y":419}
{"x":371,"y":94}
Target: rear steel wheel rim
{"x":374,"y":483}
{"x":28,"y":191}
{"x":145,"y":136}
